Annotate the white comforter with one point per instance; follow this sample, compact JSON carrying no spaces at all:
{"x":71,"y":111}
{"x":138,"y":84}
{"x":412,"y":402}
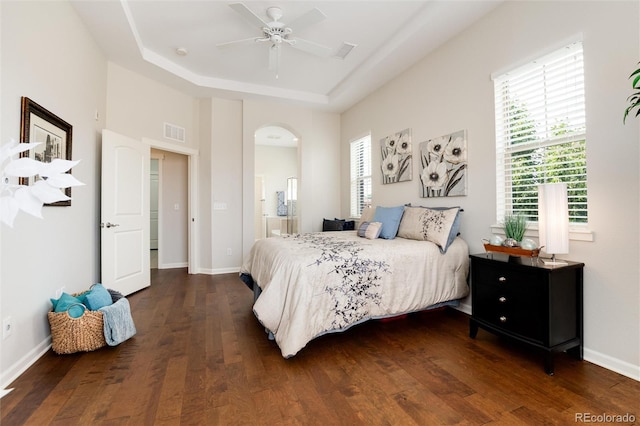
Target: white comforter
{"x":322,"y":282}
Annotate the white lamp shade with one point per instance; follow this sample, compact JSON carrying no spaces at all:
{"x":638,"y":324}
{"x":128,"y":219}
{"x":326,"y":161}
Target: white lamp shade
{"x":553,"y":218}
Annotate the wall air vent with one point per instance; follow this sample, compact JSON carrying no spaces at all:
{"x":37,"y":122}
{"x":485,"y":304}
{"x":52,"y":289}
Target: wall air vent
{"x":344,"y":50}
{"x":173,"y":132}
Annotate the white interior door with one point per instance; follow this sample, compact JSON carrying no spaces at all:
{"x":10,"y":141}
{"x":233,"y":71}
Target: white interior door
{"x":125,"y":213}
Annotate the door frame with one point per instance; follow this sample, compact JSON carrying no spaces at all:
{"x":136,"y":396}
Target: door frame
{"x":160,"y":158}
{"x":193,"y":158}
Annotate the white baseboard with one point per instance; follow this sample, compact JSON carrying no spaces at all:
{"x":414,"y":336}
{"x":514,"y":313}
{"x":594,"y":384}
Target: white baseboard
{"x":219,"y":271}
{"x":613,"y":364}
{"x":22,"y":365}
{"x":173,"y":265}
{"x":594,"y":357}
{"x":464,"y":307}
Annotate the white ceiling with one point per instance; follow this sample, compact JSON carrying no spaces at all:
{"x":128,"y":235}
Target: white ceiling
{"x":391,"y":36}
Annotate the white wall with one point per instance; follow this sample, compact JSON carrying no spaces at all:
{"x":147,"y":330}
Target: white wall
{"x":205,"y":222}
{"x":138,"y":107}
{"x":226,"y":185}
{"x":451,"y":90}
{"x":48,"y":56}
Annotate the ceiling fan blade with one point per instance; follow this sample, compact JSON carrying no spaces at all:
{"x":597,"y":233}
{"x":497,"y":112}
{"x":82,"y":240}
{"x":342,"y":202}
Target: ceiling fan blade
{"x":312,"y":17}
{"x":248,"y":15}
{"x":238,"y":42}
{"x":311,"y":47}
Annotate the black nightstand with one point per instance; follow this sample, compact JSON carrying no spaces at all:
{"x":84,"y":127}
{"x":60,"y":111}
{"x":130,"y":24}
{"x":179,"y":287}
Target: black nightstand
{"x":523,"y":299}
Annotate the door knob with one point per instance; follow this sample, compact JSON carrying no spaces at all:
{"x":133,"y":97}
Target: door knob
{"x":109,"y":225}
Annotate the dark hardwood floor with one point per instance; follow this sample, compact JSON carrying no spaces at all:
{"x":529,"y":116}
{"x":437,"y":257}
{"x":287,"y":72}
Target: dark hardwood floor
{"x":200,"y":357}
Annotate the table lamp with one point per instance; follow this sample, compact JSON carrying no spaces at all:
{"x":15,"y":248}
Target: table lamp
{"x":553,"y":221}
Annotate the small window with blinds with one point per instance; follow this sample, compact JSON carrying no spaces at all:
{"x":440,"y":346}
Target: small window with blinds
{"x":541,"y":133}
{"x":360,"y":175}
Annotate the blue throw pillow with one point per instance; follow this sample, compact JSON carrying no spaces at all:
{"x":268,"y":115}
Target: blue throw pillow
{"x":390,"y":218}
{"x":66,"y":300}
{"x":76,"y":310}
{"x":98,"y":297}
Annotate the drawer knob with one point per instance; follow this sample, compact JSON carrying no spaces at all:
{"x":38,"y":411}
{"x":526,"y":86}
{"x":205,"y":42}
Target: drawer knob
{"x":502,"y":299}
{"x":502,"y":279}
{"x":503,"y":319}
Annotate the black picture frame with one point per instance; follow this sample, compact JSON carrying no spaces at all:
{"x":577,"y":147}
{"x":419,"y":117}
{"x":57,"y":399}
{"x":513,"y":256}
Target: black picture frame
{"x":54,"y":134}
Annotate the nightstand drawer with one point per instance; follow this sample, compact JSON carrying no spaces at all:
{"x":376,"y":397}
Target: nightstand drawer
{"x":504,"y":276}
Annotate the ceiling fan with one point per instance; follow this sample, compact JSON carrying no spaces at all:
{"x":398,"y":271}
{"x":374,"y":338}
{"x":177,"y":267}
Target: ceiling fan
{"x":276,"y":34}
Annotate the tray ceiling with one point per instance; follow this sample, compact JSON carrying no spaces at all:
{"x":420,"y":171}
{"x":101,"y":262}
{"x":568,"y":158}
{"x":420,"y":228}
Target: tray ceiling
{"x":151,"y":37}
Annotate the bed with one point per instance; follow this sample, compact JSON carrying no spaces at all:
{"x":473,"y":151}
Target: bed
{"x":307,"y":285}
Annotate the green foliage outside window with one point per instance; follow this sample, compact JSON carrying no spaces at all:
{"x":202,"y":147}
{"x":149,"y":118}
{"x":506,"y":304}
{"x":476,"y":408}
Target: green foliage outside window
{"x":559,"y":162}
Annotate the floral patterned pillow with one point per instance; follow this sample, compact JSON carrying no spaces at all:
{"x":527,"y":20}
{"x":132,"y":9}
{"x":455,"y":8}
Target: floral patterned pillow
{"x":425,"y":224}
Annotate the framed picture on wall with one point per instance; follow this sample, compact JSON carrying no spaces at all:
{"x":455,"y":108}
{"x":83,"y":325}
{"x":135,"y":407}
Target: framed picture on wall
{"x":396,"y":161}
{"x":443,"y":166}
{"x":39,"y":125}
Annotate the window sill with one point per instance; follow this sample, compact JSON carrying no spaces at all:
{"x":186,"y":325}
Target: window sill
{"x":576,"y":233}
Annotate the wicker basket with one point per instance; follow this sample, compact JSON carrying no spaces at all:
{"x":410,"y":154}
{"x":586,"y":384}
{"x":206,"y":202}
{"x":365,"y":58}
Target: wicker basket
{"x":82,"y":334}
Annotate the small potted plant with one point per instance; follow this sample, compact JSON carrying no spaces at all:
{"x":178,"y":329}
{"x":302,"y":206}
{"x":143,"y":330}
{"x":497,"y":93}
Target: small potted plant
{"x":514,"y":226}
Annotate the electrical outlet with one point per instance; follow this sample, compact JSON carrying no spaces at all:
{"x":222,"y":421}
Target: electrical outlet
{"x":229,"y":252}
{"x":7,"y":327}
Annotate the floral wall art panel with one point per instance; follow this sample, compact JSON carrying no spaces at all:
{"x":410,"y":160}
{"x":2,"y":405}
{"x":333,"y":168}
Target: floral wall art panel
{"x":443,"y":166}
{"x":396,"y":157}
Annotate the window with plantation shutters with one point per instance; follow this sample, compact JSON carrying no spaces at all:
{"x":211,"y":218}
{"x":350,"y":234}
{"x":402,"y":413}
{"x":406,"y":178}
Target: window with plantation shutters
{"x":360,"y":175}
{"x":541,"y":133}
